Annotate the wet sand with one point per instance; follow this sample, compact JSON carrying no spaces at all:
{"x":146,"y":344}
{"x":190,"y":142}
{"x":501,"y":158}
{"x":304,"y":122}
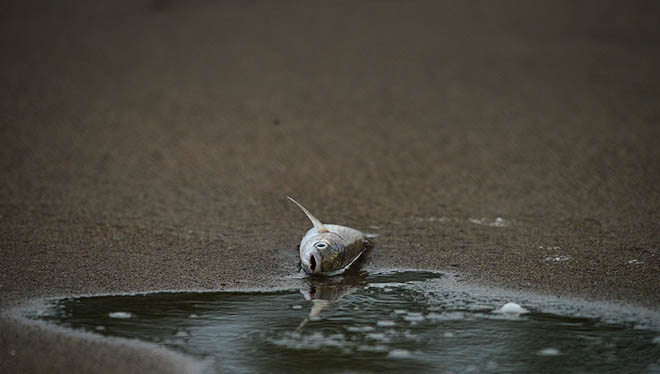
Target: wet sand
{"x":148,"y":146}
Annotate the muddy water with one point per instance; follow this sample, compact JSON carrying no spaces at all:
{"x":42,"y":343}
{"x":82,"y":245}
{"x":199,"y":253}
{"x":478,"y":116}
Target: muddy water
{"x":392,"y":322}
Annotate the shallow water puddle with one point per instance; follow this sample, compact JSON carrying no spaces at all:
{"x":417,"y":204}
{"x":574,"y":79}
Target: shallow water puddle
{"x":392,"y":322}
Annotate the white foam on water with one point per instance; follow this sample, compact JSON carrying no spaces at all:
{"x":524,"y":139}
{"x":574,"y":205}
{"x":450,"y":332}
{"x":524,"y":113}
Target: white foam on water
{"x":388,"y":285}
{"x":296,"y":307}
{"x":360,"y":328}
{"x":607,"y":312}
{"x":656,"y":340}
{"x":414,"y":317}
{"x":385,"y":323}
{"x":314,"y":341}
{"x":511,"y":308}
{"x":100,"y":328}
{"x":448,"y":334}
{"x":399,"y":353}
{"x":446,"y":316}
{"x":548,"y":352}
{"x":407,"y":334}
{"x":120,"y":315}
{"x":372,"y":348}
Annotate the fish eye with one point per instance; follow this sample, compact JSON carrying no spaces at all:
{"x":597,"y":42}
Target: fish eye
{"x":320,"y":245}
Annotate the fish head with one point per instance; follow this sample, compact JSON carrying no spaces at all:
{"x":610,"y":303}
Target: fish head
{"x":322,"y":253}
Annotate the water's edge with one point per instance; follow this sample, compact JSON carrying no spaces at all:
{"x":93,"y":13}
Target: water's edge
{"x":19,"y":315}
{"x":619,"y":314}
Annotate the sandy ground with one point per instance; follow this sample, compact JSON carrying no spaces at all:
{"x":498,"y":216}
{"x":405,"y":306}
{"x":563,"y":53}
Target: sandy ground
{"x":150,"y":145}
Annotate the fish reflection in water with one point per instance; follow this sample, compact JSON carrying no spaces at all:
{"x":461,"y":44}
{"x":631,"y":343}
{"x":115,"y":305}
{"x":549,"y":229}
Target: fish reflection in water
{"x":322,"y":292}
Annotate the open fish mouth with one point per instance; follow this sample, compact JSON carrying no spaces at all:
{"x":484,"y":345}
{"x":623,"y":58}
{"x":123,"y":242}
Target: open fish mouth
{"x":312,"y":263}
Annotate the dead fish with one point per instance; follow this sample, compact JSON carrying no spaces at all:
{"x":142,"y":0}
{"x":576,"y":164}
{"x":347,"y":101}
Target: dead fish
{"x":330,"y":249}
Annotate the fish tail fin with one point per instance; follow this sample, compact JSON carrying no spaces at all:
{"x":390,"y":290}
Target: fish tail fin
{"x":315,"y":221}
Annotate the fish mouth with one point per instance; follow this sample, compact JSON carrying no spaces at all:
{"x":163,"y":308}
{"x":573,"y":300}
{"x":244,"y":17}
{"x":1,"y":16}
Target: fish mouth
{"x":312,"y":263}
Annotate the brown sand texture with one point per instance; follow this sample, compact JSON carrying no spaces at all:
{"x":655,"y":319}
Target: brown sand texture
{"x":149,"y":145}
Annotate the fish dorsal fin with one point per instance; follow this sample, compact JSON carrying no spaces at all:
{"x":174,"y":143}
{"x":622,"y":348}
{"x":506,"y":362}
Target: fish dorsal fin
{"x":315,"y":221}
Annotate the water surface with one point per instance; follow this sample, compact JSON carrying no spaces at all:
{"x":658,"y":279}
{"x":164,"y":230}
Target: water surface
{"x":392,"y":322}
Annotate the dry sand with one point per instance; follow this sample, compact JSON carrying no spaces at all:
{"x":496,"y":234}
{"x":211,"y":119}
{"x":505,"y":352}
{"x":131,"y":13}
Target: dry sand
{"x":150,"y":145}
